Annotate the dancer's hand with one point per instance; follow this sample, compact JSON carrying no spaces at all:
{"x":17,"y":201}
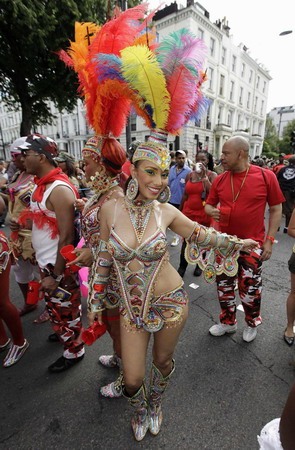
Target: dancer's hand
{"x":14,"y":225}
{"x":84,"y":257}
{"x":92,"y":316}
{"x":249,"y":245}
{"x":80,"y":203}
{"x":49,"y":285}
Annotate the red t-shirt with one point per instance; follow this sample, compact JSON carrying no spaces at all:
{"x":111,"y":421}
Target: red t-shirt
{"x":247,"y":213}
{"x":277,"y":168}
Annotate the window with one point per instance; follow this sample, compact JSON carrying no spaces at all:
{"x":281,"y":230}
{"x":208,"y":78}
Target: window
{"x":220,"y":112}
{"x":133,"y":122}
{"x":264,"y":87}
{"x":234,"y":62}
{"x":248,"y":100}
{"x":232,"y":87}
{"x":241,"y":96}
{"x":260,"y":129}
{"x":250,"y":76}
{"x":212,"y":46}
{"x":257,"y":82}
{"x":210,"y":78}
{"x":229,"y":118}
{"x":208,"y":118}
{"x":262,"y":107}
{"x":255,"y":104}
{"x":238,"y":121}
{"x":200,"y":33}
{"x":223,"y":56}
{"x":221,"y":86}
{"x":243,"y":70}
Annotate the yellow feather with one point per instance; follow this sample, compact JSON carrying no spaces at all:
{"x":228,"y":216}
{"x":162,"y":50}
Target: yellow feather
{"x":144,"y":75}
{"x":78,"y":49}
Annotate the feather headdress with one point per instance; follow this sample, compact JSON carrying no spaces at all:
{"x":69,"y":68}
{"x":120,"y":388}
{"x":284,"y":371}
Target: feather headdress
{"x":107,"y":104}
{"x":165,"y":88}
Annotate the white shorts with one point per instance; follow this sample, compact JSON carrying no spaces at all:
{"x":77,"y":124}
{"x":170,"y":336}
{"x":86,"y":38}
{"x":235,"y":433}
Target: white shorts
{"x":25,"y":271}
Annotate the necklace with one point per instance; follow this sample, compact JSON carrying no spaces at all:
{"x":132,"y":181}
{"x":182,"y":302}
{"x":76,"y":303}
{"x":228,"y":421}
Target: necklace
{"x":235,"y":197}
{"x":101,"y":183}
{"x":139,"y":213}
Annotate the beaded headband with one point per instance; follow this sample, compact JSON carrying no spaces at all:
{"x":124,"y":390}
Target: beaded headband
{"x":93,"y":147}
{"x":154,"y":150}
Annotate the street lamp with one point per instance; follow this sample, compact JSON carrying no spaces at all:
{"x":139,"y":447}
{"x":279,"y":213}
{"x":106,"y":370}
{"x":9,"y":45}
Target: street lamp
{"x":284,"y":33}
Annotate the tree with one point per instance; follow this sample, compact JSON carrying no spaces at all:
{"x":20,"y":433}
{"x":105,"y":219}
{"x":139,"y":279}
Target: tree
{"x":288,"y":138}
{"x":271,"y":140}
{"x":31,"y":32}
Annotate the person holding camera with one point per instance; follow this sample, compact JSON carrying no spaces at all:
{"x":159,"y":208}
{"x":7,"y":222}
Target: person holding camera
{"x":197,"y":187}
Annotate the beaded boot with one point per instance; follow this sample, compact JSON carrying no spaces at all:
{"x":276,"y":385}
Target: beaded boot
{"x":158,"y":385}
{"x":110,"y":360}
{"x":114,"y":389}
{"x":140,"y":420}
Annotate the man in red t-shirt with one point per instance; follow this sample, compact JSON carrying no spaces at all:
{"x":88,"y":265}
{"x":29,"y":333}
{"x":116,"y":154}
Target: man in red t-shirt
{"x":242,"y":193}
{"x":280,"y":165}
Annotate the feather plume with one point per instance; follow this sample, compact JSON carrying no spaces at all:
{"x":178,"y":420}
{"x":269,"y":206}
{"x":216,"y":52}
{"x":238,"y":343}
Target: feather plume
{"x":144,"y":75}
{"x":118,"y":32}
{"x":181,"y":56}
{"x":181,"y":47}
{"x":182,"y":89}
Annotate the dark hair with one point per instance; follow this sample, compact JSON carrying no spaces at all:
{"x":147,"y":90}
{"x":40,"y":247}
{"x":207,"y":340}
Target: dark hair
{"x":209,"y":158}
{"x":71,"y":169}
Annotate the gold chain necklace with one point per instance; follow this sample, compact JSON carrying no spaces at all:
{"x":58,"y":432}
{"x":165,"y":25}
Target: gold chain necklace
{"x":235,"y":198}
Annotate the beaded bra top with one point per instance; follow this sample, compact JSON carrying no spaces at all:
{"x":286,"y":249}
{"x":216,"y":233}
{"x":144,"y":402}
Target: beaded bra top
{"x":90,"y":225}
{"x":137,"y":286}
{"x":20,"y":193}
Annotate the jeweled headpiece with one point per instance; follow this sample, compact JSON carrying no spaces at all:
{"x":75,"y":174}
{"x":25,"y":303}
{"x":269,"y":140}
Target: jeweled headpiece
{"x":93,"y":147}
{"x":154,"y":150}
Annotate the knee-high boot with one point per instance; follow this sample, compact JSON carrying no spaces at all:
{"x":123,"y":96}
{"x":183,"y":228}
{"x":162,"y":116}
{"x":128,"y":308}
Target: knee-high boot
{"x":140,"y":420}
{"x":158,"y":385}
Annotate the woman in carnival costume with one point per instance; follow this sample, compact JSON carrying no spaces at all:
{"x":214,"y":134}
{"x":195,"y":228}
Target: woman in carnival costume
{"x":8,"y":312}
{"x":107,"y":110}
{"x":166,"y":90}
{"x":17,"y":199}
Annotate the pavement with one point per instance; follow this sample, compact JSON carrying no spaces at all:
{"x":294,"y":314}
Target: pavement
{"x":223,"y":392}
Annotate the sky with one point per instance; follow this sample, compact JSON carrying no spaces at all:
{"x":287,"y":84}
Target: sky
{"x":258,"y":23}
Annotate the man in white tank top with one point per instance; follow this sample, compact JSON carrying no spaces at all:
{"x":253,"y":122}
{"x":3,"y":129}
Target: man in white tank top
{"x":52,"y":214}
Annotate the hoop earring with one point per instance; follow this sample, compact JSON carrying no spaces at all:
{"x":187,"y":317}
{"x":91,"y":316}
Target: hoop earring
{"x":164,"y":196}
{"x":132,"y":189}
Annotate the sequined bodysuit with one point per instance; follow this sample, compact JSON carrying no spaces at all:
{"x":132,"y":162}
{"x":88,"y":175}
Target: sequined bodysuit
{"x":139,"y":306}
{"x":90,"y":224}
{"x":20,"y":192}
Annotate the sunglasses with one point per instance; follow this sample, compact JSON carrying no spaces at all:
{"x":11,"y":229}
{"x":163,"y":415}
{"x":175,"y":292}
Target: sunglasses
{"x":25,"y":153}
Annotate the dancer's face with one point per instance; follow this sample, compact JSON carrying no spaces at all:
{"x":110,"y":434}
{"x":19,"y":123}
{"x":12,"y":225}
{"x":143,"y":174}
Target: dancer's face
{"x":151,"y":179}
{"x":91,"y":167}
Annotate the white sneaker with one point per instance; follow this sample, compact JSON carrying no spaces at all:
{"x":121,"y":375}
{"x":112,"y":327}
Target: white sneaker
{"x":249,"y":334}
{"x":221,"y":328}
{"x":175,"y":242}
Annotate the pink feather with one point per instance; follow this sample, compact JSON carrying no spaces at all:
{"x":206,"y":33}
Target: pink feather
{"x":182,"y":89}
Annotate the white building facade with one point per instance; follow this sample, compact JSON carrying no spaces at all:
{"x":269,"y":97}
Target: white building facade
{"x":281,"y":116}
{"x":237,"y":87}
